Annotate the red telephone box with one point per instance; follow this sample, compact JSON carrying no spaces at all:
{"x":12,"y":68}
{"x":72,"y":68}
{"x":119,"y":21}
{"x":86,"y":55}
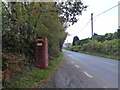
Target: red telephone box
{"x":41,"y":52}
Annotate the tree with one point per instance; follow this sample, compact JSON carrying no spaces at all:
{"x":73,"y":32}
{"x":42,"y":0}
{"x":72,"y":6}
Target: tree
{"x":23,"y":22}
{"x":100,"y":38}
{"x":109,"y":36}
{"x":83,"y":41}
{"x":70,"y":10}
{"x":75,"y":39}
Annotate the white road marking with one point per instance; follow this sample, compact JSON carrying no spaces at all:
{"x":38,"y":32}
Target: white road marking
{"x":87,"y":74}
{"x":72,"y":62}
{"x":77,"y":66}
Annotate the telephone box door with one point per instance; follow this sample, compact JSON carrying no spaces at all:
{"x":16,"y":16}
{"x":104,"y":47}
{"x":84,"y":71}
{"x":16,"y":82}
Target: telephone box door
{"x":41,"y":52}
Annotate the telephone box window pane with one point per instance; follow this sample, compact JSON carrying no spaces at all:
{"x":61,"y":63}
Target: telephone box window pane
{"x":40,"y":55}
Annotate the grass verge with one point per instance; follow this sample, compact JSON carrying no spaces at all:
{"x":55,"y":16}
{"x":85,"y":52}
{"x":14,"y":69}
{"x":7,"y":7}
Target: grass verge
{"x":101,"y":55}
{"x":34,"y":78}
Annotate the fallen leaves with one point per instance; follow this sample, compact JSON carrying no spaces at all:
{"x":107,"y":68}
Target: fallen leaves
{"x":12,"y":65}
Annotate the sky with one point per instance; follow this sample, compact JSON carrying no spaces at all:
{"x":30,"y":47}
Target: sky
{"x":105,"y":23}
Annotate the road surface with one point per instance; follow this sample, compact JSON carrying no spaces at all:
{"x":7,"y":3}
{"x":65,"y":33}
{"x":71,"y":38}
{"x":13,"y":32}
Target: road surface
{"x":85,"y":71}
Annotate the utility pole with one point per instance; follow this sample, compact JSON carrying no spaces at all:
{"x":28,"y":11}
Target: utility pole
{"x":92,"y":26}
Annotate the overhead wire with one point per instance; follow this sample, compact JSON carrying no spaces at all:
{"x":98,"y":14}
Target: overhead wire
{"x":97,"y":16}
{"x":84,"y":27}
{"x":106,"y":10}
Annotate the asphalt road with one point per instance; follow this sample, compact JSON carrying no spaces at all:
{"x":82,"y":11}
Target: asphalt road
{"x":85,"y":71}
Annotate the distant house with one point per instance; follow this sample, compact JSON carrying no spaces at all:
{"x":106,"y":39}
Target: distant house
{"x":66,"y":45}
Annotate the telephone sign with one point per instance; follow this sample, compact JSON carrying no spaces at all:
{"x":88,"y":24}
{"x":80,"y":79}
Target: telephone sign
{"x":39,"y":44}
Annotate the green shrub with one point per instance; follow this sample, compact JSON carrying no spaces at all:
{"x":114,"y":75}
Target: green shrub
{"x":107,"y":47}
{"x":75,"y":48}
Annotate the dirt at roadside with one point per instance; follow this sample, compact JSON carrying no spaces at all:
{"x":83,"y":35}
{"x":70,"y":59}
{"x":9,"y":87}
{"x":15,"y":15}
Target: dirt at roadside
{"x":68,"y":76}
